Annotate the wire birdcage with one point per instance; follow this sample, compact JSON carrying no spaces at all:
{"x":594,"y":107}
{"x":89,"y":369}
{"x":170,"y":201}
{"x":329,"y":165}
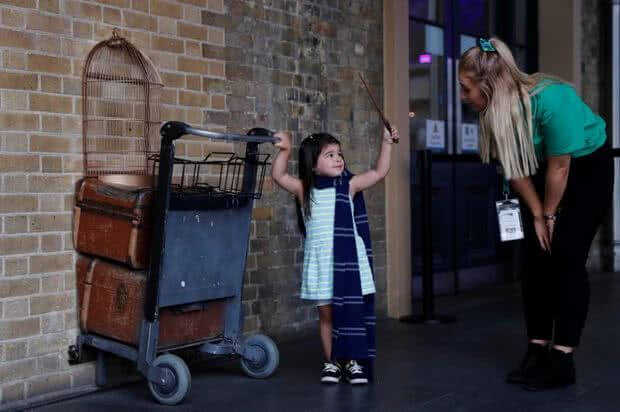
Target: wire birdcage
{"x":121,"y":109}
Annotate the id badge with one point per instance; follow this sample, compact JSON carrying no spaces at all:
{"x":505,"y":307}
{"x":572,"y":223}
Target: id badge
{"x":509,"y":218}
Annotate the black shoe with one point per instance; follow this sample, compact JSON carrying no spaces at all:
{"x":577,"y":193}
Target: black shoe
{"x":534,"y":361}
{"x":331,"y":373}
{"x":356,"y":374}
{"x":559,"y":373}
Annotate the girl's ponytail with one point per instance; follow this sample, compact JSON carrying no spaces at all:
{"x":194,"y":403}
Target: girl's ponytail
{"x":306,"y":171}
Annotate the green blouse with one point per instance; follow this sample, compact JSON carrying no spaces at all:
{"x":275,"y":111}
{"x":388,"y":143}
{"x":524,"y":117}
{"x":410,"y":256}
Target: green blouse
{"x":564,"y":124}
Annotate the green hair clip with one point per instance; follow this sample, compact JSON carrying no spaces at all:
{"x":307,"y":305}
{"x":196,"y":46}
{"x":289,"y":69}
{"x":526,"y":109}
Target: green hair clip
{"x":486,"y":45}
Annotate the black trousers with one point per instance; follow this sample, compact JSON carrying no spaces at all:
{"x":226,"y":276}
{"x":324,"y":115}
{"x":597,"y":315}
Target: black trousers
{"x":556,"y":290}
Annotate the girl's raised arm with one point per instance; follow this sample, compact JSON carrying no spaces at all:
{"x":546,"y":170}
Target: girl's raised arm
{"x":382,"y":167}
{"x":279,"y":169}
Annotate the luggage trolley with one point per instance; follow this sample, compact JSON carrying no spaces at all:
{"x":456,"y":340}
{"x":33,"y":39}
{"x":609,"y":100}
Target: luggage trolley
{"x":198,"y":253}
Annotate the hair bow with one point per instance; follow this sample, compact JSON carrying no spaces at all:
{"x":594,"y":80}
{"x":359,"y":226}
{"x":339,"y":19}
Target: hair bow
{"x":486,"y":45}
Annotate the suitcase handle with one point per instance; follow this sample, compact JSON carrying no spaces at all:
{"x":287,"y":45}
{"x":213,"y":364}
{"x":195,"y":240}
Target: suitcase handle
{"x":173,"y":130}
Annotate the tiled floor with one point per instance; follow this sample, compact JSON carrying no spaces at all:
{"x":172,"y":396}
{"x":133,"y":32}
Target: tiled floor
{"x":456,"y":367}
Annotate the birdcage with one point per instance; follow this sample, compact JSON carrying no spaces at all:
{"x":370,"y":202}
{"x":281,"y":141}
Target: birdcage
{"x":121,"y":111}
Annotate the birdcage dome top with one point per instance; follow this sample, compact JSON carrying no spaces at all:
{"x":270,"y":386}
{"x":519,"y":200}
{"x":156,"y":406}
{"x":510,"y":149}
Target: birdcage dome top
{"x":121,"y":109}
{"x":116,"y":59}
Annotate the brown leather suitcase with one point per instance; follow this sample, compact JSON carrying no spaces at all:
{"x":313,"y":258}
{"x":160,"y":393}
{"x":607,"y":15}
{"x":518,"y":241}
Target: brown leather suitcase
{"x":113,"y":221}
{"x":111,"y":304}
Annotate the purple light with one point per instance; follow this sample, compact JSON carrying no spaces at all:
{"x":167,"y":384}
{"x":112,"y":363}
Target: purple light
{"x":424,"y":58}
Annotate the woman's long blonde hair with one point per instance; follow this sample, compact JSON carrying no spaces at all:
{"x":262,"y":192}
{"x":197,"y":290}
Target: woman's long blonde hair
{"x":506,"y":122}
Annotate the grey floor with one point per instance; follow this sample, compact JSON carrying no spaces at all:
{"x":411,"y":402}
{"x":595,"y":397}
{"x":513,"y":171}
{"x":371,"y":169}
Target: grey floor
{"x":457,"y":367}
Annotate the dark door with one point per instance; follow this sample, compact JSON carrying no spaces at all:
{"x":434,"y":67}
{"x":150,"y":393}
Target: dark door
{"x":466,"y":248}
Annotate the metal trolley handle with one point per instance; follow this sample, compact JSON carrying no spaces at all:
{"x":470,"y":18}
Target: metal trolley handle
{"x":173,"y":130}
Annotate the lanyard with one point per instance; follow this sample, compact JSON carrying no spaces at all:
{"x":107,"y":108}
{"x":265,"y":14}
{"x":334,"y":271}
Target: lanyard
{"x":506,"y":189}
{"x":509,"y":216}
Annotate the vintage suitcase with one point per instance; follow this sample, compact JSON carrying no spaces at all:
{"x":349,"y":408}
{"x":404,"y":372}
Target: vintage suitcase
{"x":113,"y":221}
{"x":111,"y":304}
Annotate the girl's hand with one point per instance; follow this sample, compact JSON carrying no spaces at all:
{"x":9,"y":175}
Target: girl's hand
{"x":279,"y":167}
{"x":371,"y":177}
{"x":285,"y":140}
{"x":542,"y":232}
{"x":390,"y":137}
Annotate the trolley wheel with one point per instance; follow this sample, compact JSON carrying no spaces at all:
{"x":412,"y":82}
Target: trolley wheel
{"x":267,"y":360}
{"x":178,"y":388}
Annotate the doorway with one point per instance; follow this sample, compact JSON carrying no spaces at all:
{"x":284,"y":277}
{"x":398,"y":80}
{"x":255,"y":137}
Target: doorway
{"x":467,"y":253}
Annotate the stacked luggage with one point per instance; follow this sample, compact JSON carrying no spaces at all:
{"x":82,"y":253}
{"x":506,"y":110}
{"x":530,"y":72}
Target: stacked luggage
{"x":112,"y":232}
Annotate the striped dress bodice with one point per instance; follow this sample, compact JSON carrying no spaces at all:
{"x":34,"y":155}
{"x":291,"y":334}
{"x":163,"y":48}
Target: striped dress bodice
{"x":317,"y":275}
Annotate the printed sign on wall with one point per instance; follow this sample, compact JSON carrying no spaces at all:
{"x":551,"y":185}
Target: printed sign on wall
{"x":469,"y":137}
{"x":435,"y":134}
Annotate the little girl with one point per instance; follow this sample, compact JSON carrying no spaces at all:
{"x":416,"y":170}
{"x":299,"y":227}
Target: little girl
{"x":337,"y":270}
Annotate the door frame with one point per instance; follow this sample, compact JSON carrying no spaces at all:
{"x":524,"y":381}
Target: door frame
{"x":397,"y":202}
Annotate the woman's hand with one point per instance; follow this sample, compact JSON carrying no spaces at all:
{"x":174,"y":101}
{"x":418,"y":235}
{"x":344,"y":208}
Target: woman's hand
{"x":285,"y":140}
{"x":550,"y":226}
{"x":542,"y":232}
{"x":390,"y":137}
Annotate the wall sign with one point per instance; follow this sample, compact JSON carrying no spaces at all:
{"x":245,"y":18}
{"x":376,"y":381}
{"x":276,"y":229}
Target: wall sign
{"x":469,"y":137}
{"x":435,"y":134}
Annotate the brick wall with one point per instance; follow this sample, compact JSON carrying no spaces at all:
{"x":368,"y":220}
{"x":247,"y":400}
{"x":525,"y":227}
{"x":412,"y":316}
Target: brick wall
{"x":226,"y":65}
{"x":294,"y":66}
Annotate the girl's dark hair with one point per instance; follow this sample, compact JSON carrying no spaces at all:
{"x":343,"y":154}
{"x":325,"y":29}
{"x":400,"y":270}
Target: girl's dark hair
{"x":309,"y":151}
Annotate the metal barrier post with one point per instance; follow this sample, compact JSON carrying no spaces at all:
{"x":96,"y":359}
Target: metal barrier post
{"x":428,"y":316}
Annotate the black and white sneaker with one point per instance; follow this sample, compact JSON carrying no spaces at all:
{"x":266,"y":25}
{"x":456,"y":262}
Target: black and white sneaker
{"x":355,"y":373}
{"x":331,"y":373}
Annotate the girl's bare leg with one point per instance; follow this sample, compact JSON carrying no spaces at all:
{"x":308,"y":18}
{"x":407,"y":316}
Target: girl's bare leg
{"x":325,"y":327}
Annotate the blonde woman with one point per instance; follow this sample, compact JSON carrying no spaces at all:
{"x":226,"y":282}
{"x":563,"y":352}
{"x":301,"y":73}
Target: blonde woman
{"x":553,"y":150}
